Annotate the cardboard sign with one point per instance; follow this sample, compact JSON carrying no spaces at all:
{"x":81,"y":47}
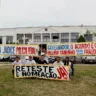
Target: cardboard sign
{"x":71,"y":49}
{"x":55,"y":72}
{"x":19,"y":50}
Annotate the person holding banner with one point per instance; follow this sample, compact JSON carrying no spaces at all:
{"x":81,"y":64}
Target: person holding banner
{"x":30,"y":61}
{"x":68,"y":63}
{"x":41,"y":60}
{"x":45,"y":57}
{"x":58,"y":61}
{"x":17,"y":61}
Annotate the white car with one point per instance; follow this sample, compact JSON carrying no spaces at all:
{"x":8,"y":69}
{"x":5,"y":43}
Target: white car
{"x":1,"y":57}
{"x":88,"y":59}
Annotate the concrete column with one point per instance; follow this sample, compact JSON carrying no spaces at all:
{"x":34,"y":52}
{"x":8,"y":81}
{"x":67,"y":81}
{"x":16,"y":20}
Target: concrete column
{"x":24,"y":39}
{"x":3,"y":39}
{"x":32,"y":37}
{"x":41,"y":38}
{"x":69,"y":37}
{"x":15,"y":38}
{"x":50,"y":37}
{"x":59,"y":37}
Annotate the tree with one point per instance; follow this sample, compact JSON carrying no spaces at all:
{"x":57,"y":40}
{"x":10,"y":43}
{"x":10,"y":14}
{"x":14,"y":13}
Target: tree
{"x":81,"y":39}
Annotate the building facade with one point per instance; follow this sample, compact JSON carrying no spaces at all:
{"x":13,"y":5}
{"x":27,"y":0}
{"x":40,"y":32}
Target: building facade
{"x":44,"y":35}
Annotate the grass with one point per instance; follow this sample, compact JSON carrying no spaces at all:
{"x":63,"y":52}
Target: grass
{"x":82,"y":84}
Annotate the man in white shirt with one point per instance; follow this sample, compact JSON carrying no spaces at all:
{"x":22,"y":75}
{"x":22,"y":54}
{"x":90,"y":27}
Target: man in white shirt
{"x":58,"y":61}
{"x":30,"y":61}
{"x":17,"y":61}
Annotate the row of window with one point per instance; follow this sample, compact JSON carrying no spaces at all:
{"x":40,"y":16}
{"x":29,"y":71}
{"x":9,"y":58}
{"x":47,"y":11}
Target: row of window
{"x":56,"y":37}
{"x":46,"y":37}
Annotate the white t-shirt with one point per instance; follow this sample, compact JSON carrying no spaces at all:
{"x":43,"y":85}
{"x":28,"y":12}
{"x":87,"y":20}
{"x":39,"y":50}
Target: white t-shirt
{"x":46,"y":59}
{"x":30,"y":62}
{"x":19,"y":62}
{"x":60,"y":63}
{"x":69,"y":63}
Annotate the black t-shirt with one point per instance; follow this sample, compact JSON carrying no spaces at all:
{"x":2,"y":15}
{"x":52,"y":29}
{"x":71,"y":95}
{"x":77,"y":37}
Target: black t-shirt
{"x":42,"y":62}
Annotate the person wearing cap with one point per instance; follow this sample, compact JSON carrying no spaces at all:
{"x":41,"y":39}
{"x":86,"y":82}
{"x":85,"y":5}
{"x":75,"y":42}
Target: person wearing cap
{"x":58,"y":61}
{"x":17,"y":61}
{"x":45,"y":57}
{"x":30,"y":61}
{"x":41,"y":59}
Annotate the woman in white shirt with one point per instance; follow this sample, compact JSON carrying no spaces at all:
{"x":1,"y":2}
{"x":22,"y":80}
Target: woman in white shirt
{"x":68,"y":63}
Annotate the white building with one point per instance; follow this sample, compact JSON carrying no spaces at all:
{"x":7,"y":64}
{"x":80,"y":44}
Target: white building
{"x":43,"y":35}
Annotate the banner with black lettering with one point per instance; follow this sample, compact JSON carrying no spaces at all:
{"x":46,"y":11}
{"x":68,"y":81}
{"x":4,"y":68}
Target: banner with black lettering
{"x":55,"y":72}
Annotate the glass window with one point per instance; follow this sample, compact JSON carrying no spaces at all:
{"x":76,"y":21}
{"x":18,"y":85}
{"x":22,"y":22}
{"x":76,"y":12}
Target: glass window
{"x":55,"y":37}
{"x":88,"y":37}
{"x":28,"y":37}
{"x":46,"y":29}
{"x":64,"y":37}
{"x":0,"y":39}
{"x":74,"y":37}
{"x":20,"y":38}
{"x":37,"y":37}
{"x":9,"y":39}
{"x":46,"y":37}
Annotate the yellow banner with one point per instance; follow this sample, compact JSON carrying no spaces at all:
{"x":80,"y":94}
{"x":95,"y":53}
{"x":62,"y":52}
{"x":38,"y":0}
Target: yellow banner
{"x":71,"y":49}
{"x":54,"y":72}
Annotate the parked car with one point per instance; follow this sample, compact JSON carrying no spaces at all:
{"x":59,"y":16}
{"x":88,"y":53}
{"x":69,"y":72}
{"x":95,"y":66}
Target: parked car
{"x":1,"y":57}
{"x":12,"y":58}
{"x":4,"y":58}
{"x":88,"y":59}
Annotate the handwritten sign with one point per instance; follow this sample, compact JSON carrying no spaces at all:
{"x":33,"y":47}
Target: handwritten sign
{"x":55,"y":72}
{"x":19,"y":50}
{"x":71,"y":49}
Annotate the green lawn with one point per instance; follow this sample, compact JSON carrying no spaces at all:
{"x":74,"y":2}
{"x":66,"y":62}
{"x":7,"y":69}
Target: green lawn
{"x":82,"y":84}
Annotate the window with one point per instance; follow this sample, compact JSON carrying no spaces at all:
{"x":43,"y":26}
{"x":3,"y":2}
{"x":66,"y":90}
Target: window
{"x":37,"y":37}
{"x":0,"y":39}
{"x":9,"y":39}
{"x":46,"y":37}
{"x":46,"y":29}
{"x":88,"y":37}
{"x":28,"y":37}
{"x":74,"y":37}
{"x":20,"y":38}
{"x":55,"y":37}
{"x":64,"y":37}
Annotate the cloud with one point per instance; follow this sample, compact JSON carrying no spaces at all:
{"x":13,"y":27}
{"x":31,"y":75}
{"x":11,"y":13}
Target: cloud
{"x":47,"y":12}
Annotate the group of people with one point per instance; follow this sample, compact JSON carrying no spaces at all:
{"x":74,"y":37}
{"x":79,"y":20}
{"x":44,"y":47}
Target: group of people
{"x":42,"y":60}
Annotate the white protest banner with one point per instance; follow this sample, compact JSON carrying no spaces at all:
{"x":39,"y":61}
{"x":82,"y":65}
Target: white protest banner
{"x":19,"y":50}
{"x":54,"y":72}
{"x":71,"y":49}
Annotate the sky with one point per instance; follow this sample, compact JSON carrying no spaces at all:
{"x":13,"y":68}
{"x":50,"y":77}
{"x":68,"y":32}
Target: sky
{"x":31,"y":13}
